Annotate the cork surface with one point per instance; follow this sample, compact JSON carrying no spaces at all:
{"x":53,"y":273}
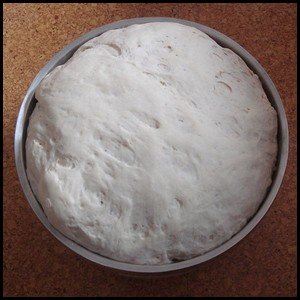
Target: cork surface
{"x":36,"y":264}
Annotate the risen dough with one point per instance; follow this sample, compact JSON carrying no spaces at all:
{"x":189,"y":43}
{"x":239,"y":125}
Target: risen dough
{"x":151,"y":144}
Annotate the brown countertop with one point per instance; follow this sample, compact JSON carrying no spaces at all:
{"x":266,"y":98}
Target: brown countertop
{"x":35,"y":263}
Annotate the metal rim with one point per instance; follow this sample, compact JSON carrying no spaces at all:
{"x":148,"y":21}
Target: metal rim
{"x":64,"y":55}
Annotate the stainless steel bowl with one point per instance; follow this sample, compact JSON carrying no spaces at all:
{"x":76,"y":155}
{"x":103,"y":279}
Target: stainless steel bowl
{"x":60,"y":58}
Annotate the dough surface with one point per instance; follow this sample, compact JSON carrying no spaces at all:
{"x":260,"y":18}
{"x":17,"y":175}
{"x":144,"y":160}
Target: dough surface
{"x":152,"y":144}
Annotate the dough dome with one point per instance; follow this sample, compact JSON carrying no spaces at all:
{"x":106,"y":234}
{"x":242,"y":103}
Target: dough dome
{"x":152,"y":144}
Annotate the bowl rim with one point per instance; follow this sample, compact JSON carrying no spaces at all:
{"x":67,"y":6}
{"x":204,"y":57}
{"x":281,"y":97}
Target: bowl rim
{"x":65,"y":54}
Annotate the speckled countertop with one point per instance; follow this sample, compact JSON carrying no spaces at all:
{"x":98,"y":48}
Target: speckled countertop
{"x":36,"y":264}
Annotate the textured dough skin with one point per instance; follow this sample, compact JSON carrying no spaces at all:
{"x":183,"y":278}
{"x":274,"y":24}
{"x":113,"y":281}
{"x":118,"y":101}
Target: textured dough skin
{"x":151,"y":144}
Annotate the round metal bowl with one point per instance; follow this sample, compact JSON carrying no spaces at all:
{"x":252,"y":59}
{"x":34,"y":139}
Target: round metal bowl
{"x":60,"y":58}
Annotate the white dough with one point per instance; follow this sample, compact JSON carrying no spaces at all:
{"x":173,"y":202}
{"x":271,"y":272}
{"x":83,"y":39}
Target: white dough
{"x":151,"y":144}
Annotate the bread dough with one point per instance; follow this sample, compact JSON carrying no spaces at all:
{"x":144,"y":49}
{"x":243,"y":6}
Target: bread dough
{"x":152,"y":144}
